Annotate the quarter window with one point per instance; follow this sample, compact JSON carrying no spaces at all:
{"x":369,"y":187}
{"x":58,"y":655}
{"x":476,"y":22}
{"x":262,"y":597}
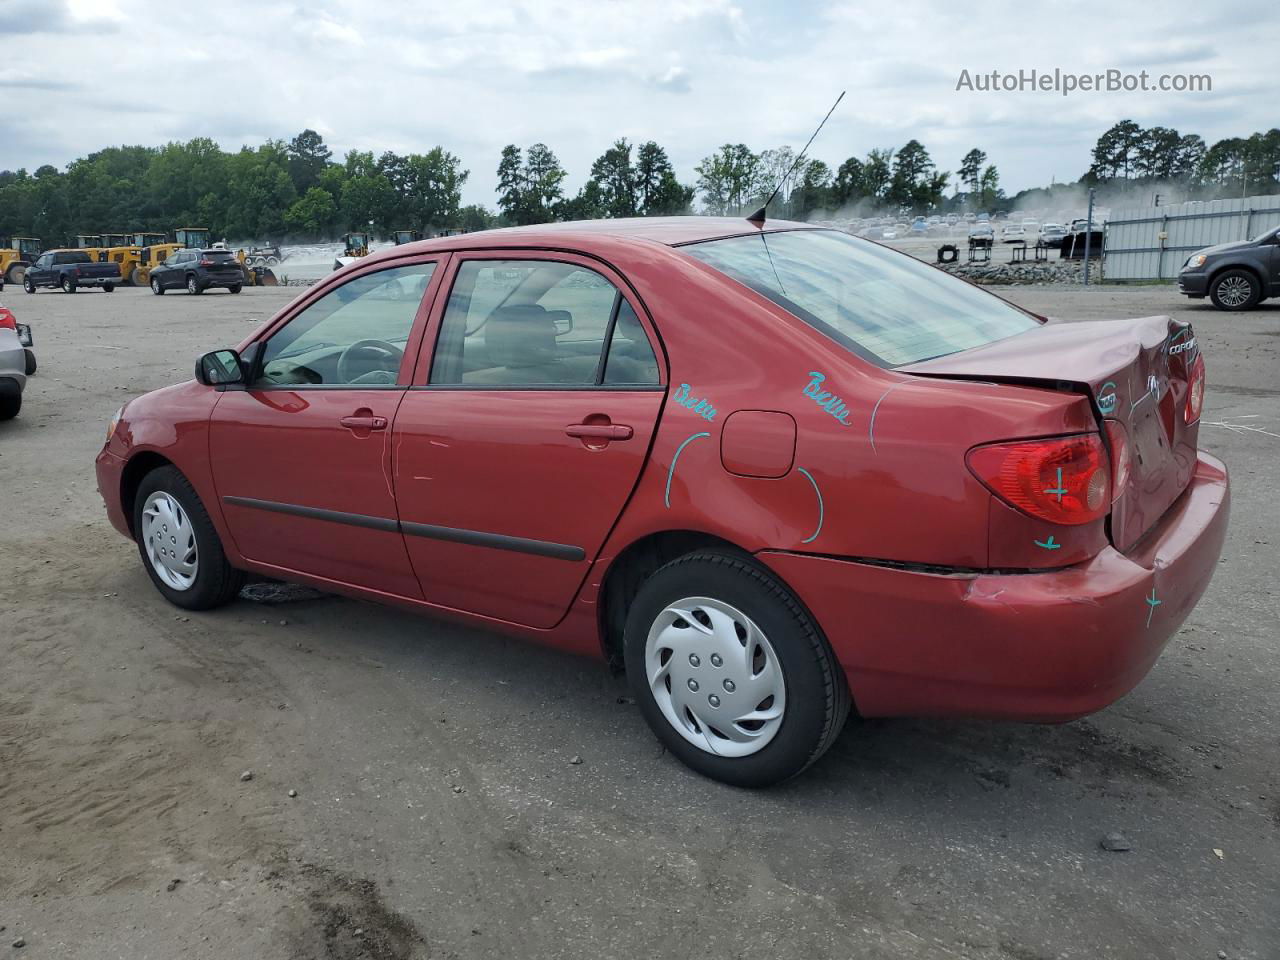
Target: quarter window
{"x":354,"y":335}
{"x":516,"y":323}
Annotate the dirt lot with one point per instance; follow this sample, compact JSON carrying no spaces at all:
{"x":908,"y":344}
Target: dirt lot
{"x":438,"y":813}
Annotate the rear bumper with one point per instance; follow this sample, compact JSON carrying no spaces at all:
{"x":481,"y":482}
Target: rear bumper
{"x":95,"y":281}
{"x":1047,"y":647}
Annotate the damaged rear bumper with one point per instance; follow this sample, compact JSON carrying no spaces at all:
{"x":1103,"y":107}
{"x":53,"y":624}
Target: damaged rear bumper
{"x":1049,"y":646}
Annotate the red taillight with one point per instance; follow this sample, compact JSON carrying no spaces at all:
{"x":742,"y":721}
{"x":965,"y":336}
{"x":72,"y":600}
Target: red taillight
{"x":206,"y":262}
{"x":1118,"y":441}
{"x":7,"y":319}
{"x":1195,"y":391}
{"x":1063,"y":480}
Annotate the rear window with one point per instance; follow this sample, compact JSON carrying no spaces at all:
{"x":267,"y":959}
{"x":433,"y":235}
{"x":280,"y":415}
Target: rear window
{"x":73,"y":258}
{"x":217,"y":254}
{"x":885,"y":306}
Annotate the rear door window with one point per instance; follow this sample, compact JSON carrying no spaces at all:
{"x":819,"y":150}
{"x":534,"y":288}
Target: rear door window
{"x":883,"y":305}
{"x":537,"y":323}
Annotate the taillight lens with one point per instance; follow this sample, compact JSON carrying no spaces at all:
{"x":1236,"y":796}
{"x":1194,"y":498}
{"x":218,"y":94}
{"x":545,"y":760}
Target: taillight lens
{"x":1063,"y":480}
{"x":1195,"y":391}
{"x":7,"y":320}
{"x":1118,"y":441}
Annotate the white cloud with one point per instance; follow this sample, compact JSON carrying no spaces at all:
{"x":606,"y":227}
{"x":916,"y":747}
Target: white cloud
{"x":691,"y":74}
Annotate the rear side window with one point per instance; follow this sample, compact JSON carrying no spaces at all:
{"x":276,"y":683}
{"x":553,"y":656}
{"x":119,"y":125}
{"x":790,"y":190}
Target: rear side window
{"x":522,"y":323}
{"x":885,"y":306}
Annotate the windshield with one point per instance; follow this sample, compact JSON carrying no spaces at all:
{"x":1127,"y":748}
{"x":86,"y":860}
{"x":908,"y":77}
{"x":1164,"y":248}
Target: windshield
{"x":1263,"y":235}
{"x":881,"y":304}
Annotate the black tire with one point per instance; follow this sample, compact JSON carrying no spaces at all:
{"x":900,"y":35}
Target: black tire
{"x":68,"y":285}
{"x":1227,"y":287}
{"x":234,"y":288}
{"x":27,"y":285}
{"x":108,"y":287}
{"x":216,"y":582}
{"x":10,"y":404}
{"x":156,"y":288}
{"x":31,"y":361}
{"x":193,"y":286}
{"x":817,"y":696}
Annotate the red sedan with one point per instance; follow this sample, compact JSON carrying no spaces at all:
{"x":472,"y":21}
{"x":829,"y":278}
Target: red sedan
{"x":775,"y":471}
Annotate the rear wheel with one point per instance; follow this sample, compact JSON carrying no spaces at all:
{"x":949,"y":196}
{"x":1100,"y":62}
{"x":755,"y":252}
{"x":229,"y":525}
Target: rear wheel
{"x":15,"y":274}
{"x":234,"y":288}
{"x":155,"y":286}
{"x":1235,"y":290}
{"x":179,"y":546}
{"x":729,"y":671}
{"x":30,"y":359}
{"x":10,"y":404}
{"x":193,"y":286}
{"x":138,"y":278}
{"x":108,"y":287}
{"x":68,"y":285}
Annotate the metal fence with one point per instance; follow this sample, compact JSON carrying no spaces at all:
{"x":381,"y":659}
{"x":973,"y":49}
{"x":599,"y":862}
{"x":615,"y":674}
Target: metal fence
{"x":1152,"y":243}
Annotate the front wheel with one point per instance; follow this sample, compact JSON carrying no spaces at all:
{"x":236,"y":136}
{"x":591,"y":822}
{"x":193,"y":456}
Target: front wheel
{"x":16,"y":273}
{"x":193,"y":286}
{"x":1235,"y":290}
{"x":730,"y":673}
{"x":156,"y":288}
{"x":68,"y":285}
{"x":179,"y":546}
{"x":138,"y":278}
{"x":27,"y":285}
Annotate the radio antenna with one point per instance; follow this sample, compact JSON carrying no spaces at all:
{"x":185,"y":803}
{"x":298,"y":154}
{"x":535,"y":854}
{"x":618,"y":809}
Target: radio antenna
{"x":758,"y":217}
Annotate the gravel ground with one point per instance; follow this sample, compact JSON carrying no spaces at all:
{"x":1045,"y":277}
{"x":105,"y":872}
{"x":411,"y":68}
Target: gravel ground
{"x":437,"y":810}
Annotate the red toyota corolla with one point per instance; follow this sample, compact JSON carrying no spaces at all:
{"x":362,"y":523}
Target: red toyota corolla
{"x":773,"y":470}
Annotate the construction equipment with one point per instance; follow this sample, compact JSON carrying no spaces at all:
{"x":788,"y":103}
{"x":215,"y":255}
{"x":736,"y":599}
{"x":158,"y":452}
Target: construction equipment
{"x":354,"y":246}
{"x":405,"y":236}
{"x":90,"y":243}
{"x":192,"y":238}
{"x":120,"y":249}
{"x":16,"y":255}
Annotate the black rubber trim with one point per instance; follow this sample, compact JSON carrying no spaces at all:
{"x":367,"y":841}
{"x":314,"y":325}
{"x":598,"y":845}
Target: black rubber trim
{"x":499,"y":541}
{"x":477,"y":538}
{"x":316,"y":513}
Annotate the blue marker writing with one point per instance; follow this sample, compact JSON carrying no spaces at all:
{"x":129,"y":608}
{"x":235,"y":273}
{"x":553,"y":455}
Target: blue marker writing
{"x":827,"y":400}
{"x":1059,"y":489}
{"x":1048,"y":543}
{"x":698,"y":406}
{"x":1152,"y":602}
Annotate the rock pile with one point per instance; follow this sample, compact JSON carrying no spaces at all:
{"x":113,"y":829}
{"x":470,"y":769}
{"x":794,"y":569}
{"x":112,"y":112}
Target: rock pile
{"x":1051,"y":271}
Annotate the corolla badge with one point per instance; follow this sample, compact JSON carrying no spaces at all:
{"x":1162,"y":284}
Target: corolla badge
{"x":1183,"y":342}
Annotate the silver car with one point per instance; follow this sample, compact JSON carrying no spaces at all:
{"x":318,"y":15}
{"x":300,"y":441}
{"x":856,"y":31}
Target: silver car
{"x":16,"y":363}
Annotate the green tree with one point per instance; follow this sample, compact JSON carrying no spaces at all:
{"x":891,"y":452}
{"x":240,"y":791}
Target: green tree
{"x":313,"y":213}
{"x":658,"y":192}
{"x":727,"y":179}
{"x":614,"y":179}
{"x":308,"y":158}
{"x":1116,"y":150}
{"x":970,"y":172}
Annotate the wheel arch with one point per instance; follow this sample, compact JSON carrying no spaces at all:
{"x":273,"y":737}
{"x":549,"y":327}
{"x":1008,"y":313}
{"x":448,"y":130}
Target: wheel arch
{"x":1239,"y":265}
{"x":138,"y":466}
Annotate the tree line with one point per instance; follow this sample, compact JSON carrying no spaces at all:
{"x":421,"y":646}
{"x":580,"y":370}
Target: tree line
{"x":297,"y":189}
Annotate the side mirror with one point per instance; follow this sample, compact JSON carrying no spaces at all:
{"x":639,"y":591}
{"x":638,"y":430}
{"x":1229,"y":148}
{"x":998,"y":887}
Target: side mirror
{"x":220,"y":367}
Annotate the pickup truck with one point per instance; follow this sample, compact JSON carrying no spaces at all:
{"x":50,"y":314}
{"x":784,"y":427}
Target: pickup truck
{"x":70,"y":269}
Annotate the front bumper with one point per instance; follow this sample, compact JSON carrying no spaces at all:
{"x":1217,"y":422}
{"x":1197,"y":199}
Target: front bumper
{"x":1193,"y":284}
{"x":110,"y":471}
{"x":1049,"y":646}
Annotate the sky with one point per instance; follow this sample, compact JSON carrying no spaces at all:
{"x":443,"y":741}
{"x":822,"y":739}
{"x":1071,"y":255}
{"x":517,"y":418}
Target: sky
{"x":79,"y":75}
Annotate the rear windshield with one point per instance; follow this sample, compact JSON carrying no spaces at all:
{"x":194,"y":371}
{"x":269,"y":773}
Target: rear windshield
{"x":883,"y":305}
{"x":217,"y":254}
{"x":73,"y":258}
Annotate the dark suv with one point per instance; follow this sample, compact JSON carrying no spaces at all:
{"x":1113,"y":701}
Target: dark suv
{"x":1236,"y":276}
{"x":198,"y":270}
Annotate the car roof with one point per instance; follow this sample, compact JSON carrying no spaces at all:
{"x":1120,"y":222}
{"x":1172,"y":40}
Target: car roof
{"x":669,"y":231}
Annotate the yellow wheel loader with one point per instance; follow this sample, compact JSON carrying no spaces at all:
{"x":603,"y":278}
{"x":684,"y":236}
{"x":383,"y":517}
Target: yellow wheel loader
{"x":16,"y":255}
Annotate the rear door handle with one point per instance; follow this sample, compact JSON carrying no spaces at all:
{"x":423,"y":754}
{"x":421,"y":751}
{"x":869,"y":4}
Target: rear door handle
{"x":600,"y":431}
{"x":364,"y":423}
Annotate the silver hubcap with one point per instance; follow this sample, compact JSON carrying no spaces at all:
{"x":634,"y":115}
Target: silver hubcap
{"x":170,"y":541}
{"x":1234,"y":291}
{"x":715,"y":677}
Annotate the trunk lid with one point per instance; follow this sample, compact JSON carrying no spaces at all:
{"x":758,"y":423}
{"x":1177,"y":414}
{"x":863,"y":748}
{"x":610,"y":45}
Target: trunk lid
{"x":1137,"y":373}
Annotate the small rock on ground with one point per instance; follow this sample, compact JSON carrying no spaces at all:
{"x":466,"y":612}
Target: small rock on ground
{"x":246,"y":776}
{"x":1116,"y":842}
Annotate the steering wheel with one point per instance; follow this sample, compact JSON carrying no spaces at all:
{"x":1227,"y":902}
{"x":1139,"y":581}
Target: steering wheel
{"x":377,"y":350}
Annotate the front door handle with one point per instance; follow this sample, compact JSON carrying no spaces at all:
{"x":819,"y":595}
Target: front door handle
{"x":600,"y":431}
{"x":364,"y":423}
